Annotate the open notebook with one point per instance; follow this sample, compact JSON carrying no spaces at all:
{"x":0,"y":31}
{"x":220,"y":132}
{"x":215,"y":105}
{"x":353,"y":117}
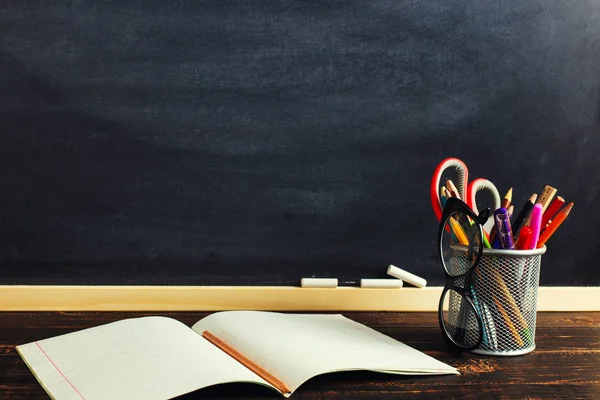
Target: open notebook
{"x":161,"y":358}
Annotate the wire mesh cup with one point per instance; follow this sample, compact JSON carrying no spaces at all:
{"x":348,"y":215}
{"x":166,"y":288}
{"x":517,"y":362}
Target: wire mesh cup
{"x":504,"y":293}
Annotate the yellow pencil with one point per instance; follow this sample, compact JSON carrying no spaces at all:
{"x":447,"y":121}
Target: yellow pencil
{"x":445,"y":193}
{"x":458,"y":231}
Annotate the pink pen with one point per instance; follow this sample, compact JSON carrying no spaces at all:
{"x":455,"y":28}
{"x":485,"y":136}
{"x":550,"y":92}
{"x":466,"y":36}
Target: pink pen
{"x":536,"y":224}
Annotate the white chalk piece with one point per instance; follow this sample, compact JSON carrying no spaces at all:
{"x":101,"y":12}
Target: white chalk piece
{"x":319,"y":282}
{"x":406,"y":276}
{"x":380,"y":283}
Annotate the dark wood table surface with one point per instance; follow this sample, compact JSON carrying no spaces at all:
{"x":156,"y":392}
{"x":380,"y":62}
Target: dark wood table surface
{"x":565,"y":364}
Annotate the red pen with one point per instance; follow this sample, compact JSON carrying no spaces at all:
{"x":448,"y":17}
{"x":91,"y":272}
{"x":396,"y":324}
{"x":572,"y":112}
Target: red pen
{"x":524,"y":239}
{"x":552,"y":209}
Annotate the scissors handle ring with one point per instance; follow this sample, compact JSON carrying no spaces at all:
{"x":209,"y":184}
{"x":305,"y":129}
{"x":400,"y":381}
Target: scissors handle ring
{"x":461,"y":184}
{"x":475,"y":187}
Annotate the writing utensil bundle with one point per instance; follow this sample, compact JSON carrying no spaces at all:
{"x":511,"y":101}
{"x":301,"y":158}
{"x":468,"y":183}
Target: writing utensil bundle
{"x":499,"y":318}
{"x":537,"y":221}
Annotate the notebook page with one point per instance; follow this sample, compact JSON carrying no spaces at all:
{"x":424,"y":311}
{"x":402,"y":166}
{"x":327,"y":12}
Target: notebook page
{"x":296,"y":347}
{"x":138,"y":358}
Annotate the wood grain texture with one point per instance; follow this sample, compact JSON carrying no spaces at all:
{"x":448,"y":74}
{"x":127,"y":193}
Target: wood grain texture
{"x":564,"y":365}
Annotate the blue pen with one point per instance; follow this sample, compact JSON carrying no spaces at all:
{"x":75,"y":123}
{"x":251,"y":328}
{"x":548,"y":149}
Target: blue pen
{"x":490,"y":339}
{"x":503,"y":229}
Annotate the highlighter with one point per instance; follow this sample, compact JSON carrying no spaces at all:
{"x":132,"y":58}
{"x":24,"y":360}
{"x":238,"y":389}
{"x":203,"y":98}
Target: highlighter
{"x":536,"y":224}
{"x":503,"y":229}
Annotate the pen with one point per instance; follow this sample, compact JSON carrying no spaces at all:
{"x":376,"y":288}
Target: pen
{"x":488,"y":322}
{"x":489,"y":329}
{"x":505,"y":204}
{"x":524,"y":239}
{"x":552,"y":209}
{"x":503,"y":229}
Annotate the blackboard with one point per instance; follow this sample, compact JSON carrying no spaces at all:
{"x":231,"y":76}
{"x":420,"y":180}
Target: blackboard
{"x":255,"y":143}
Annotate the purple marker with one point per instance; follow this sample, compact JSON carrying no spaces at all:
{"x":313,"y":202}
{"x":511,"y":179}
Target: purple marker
{"x":503,"y":229}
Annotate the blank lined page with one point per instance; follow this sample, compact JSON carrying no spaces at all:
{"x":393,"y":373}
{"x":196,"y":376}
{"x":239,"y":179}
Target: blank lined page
{"x":140,"y":358}
{"x":296,"y":347}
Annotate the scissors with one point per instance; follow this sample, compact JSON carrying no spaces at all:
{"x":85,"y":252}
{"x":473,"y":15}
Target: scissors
{"x":467,"y":191}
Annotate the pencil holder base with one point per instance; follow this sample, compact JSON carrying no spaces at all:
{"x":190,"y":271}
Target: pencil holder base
{"x":504,"y":294}
{"x":510,"y":353}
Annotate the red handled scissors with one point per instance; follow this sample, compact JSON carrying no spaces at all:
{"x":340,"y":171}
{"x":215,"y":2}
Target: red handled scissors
{"x":467,"y":191}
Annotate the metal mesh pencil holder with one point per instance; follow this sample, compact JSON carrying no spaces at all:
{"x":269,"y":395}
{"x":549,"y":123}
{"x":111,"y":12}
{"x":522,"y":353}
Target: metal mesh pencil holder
{"x":504,"y":291}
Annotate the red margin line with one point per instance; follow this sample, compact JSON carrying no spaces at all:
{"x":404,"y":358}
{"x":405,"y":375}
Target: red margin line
{"x":59,"y":371}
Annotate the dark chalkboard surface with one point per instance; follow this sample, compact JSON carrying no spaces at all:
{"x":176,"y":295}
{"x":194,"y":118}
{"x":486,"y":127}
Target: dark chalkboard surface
{"x":255,"y":143}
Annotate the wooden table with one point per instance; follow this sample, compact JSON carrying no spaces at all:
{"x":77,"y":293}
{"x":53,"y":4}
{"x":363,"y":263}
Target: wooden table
{"x":566,"y":363}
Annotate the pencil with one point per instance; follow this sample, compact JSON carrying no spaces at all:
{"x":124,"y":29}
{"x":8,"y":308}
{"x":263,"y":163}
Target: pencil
{"x":443,"y":197}
{"x":507,"y":199}
{"x":246,"y":362}
{"x":486,"y":239}
{"x":458,"y":231}
{"x":560,"y":218}
{"x":509,"y":323}
{"x":508,"y":300}
{"x":452,"y":189}
{"x":502,"y":290}
{"x":524,"y":214}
